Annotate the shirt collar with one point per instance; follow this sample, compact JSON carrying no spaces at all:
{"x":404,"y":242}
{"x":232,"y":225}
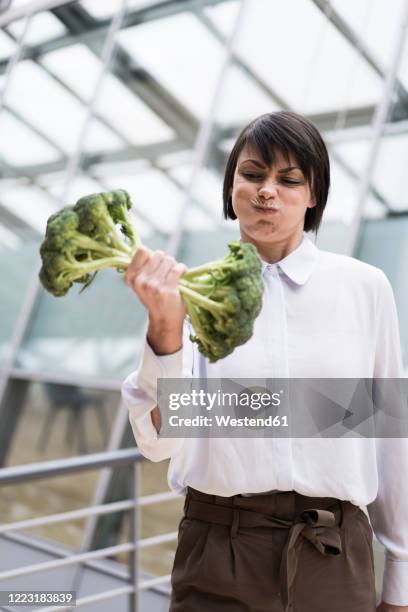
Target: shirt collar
{"x":299,"y":264}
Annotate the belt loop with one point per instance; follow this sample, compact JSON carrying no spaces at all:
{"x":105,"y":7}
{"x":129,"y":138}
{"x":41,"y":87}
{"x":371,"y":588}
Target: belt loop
{"x":235,"y":523}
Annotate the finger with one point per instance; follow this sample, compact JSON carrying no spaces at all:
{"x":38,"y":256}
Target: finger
{"x":155,"y":281}
{"x":165,"y":266}
{"x":140,"y":258}
{"x":150,"y":260}
{"x":174,"y":273}
{"x":154,"y":262}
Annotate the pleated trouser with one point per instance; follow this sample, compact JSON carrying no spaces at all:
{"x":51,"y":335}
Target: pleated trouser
{"x":280,"y":552}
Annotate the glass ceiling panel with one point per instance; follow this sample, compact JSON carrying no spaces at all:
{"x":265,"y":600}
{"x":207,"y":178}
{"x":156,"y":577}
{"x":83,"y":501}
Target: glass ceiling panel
{"x":19,"y":3}
{"x":154,"y":195}
{"x":135,"y":119}
{"x":389,"y":175}
{"x":57,"y":113}
{"x":224,"y":15}
{"x":306,"y":80}
{"x":101,"y":10}
{"x":43,"y":26}
{"x":64,"y":63}
{"x":343,"y":197}
{"x":207,"y":189}
{"x":105,"y":9}
{"x":160,"y":47}
{"x":355,"y":153}
{"x":235,"y":108}
{"x":374,"y":22}
{"x":83,"y":185}
{"x":7,"y":47}
{"x":29,"y":203}
{"x":120,"y":168}
{"x":170,"y":160}
{"x":13,"y":134}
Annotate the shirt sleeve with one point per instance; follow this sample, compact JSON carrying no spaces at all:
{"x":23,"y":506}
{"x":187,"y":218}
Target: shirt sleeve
{"x":389,"y":511}
{"x":139,"y":395}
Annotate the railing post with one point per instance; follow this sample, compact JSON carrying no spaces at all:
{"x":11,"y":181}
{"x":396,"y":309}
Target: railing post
{"x":134,"y":536}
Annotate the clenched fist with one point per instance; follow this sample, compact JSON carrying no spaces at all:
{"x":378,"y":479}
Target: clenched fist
{"x":154,"y":276}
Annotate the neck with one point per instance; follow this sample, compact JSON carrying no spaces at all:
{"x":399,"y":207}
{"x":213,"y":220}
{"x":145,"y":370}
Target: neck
{"x":272,"y":252}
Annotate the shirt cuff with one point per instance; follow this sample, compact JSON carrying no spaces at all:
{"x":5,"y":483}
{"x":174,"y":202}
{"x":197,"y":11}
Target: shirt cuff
{"x":395,"y":583}
{"x":136,"y":399}
{"x":155,"y":366}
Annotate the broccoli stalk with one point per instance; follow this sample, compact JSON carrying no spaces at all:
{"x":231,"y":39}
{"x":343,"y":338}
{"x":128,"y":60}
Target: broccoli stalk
{"x":222,"y":298}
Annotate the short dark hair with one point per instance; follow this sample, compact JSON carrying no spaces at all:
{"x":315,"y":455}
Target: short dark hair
{"x":292,"y":135}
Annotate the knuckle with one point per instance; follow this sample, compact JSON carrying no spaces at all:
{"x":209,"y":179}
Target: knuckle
{"x":154,"y":284}
{"x":179,"y":269}
{"x":140,"y":282}
{"x":140,"y":255}
{"x":159,"y":254}
{"x":143,"y":252}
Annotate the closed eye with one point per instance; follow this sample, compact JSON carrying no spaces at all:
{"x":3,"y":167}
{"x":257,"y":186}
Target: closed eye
{"x":251,"y":176}
{"x":287,"y":181}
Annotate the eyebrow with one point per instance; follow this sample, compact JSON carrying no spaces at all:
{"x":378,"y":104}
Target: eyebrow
{"x":262,"y":165}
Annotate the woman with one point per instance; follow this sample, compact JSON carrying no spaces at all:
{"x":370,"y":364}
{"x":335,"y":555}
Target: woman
{"x":276,"y":524}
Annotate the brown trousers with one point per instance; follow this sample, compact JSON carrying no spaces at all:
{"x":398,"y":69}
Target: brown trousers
{"x":272,"y":553}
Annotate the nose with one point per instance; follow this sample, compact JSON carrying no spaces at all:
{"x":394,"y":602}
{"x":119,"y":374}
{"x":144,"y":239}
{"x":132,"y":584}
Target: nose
{"x":268,"y":189}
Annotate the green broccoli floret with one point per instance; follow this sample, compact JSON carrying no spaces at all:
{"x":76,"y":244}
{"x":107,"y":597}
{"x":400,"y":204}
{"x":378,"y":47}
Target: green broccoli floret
{"x":222,"y":298}
{"x":119,"y":204}
{"x":80,"y":240}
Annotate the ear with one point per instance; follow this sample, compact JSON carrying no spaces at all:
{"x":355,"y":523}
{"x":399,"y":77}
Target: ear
{"x":311,"y":204}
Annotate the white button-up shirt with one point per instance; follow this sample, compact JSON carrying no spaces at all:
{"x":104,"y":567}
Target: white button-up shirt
{"x":324,"y":315}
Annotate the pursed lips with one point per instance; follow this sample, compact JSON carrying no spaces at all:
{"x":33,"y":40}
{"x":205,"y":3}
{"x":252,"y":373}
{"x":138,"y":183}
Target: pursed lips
{"x":265,"y":209}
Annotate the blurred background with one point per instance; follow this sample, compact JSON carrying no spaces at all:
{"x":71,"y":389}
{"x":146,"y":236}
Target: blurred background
{"x":149,"y":96}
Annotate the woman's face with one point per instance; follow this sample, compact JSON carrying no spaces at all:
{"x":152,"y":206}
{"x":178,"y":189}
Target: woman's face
{"x":270,"y":202}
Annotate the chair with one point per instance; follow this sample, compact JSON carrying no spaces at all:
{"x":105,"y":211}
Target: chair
{"x":74,"y":401}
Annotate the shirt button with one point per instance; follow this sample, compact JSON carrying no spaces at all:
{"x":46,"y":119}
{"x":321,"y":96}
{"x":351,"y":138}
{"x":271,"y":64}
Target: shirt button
{"x":271,"y":268}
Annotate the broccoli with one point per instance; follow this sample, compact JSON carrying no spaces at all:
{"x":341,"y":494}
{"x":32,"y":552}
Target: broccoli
{"x":222,"y":298}
{"x":82,"y":239}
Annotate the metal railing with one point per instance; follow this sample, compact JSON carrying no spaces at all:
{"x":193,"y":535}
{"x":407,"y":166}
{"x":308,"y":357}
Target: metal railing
{"x":49,"y":469}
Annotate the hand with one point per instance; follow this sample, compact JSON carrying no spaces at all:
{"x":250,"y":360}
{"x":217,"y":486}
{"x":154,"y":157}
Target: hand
{"x":154,"y":276}
{"x":385,"y":607}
